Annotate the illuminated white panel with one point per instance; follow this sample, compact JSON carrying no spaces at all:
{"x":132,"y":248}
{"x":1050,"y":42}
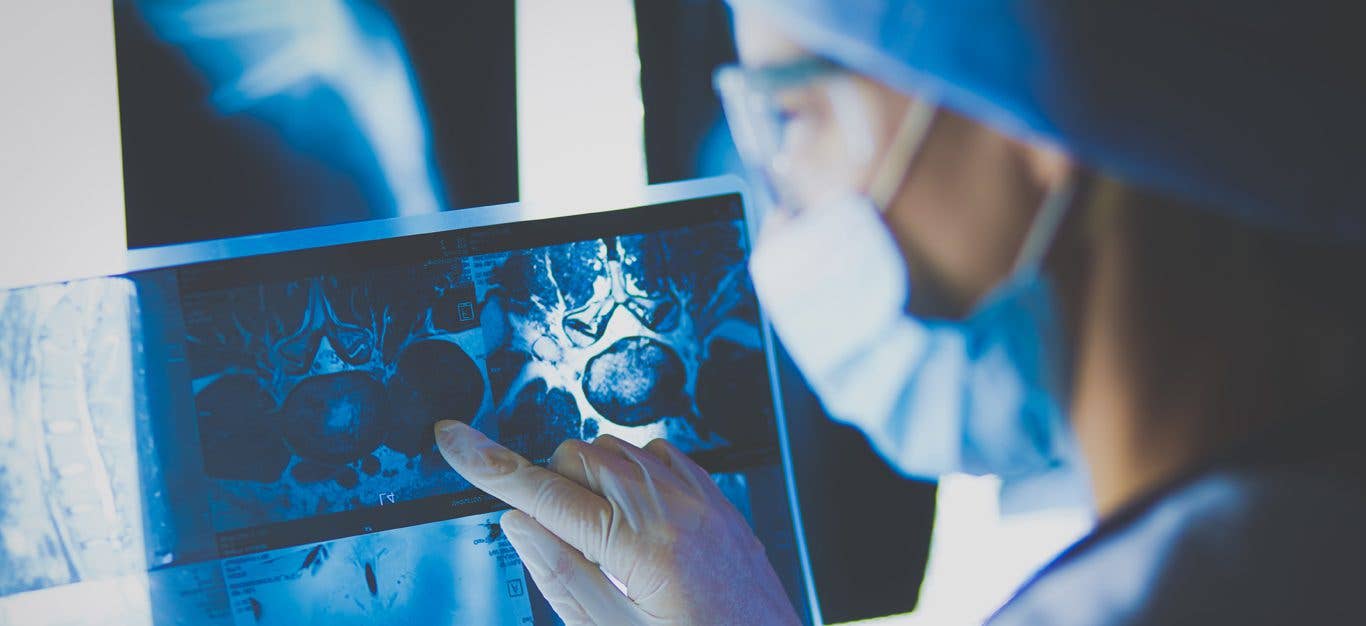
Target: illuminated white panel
{"x":579,"y":113}
{"x":61,"y":189}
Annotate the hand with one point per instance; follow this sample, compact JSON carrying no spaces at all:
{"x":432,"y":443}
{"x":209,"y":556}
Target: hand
{"x":651,"y":518}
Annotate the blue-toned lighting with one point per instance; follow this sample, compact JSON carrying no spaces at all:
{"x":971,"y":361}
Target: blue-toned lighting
{"x":264,"y":58}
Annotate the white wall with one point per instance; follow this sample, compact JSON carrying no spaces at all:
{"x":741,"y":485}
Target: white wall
{"x":61,"y":185}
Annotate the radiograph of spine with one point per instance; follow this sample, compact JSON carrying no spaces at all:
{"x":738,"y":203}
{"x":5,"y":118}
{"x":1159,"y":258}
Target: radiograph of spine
{"x":640,"y":336}
{"x":70,"y":505}
{"x":319,"y":395}
{"x":261,"y":56}
{"x":613,"y":288}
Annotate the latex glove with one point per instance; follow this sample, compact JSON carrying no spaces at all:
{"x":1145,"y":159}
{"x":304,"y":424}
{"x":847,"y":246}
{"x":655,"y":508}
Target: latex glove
{"x":649,"y":517}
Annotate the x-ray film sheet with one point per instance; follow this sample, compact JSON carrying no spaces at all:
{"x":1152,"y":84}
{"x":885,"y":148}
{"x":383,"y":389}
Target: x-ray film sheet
{"x":250,"y":439}
{"x":459,"y":571}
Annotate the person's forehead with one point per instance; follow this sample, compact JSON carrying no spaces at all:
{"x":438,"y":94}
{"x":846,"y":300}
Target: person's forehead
{"x":760,"y":42}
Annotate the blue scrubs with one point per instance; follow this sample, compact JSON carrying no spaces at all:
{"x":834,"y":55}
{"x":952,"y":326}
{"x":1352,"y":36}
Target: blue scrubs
{"x":1272,"y":534}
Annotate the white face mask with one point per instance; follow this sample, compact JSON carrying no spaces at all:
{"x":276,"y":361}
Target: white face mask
{"x":981,"y":395}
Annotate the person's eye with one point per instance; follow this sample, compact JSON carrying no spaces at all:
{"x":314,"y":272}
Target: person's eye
{"x":791,"y":105}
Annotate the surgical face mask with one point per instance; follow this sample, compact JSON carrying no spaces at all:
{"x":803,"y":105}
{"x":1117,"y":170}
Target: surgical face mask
{"x":985,"y":394}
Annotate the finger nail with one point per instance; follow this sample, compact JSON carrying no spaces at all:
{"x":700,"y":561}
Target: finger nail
{"x":469,"y":451}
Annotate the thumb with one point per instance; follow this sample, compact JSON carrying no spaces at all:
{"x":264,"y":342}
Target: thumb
{"x":575,"y":587}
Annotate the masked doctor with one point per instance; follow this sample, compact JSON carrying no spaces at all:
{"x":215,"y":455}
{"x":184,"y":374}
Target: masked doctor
{"x":1119,"y":244}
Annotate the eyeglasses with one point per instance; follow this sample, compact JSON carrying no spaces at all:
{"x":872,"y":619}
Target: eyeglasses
{"x":758,"y":122}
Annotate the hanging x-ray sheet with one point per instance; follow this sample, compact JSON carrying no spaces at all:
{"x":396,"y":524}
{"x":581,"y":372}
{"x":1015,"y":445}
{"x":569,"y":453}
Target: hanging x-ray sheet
{"x":250,"y":116}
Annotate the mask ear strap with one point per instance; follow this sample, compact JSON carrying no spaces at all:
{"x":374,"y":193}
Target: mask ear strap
{"x":906,"y":144}
{"x":1046,"y":223}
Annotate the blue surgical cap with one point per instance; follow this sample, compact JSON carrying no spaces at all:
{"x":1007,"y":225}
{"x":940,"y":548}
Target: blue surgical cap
{"x":1253,"y":109}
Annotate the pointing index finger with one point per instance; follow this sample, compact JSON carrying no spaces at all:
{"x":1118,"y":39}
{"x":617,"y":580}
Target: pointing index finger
{"x":573,"y":513}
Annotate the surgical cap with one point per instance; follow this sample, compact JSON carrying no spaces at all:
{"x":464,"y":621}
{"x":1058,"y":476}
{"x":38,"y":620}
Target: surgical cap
{"x":1253,"y":109}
